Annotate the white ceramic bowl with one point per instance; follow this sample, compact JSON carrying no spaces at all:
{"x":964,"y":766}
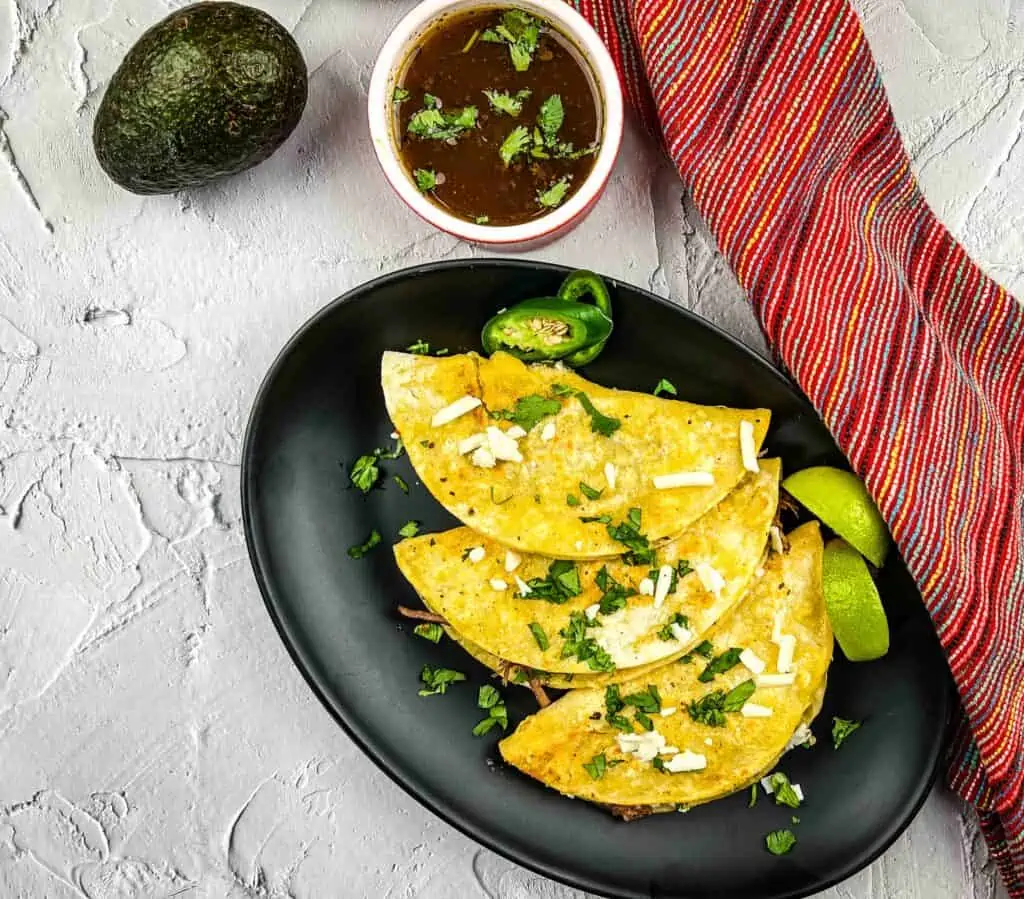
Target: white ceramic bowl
{"x":388,"y":70}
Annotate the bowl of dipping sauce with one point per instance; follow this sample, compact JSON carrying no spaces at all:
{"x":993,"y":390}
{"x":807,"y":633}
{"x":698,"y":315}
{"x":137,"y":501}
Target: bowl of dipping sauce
{"x":497,"y":123}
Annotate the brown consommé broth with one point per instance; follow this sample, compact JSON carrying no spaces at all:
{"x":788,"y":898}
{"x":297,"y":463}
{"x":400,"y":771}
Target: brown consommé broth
{"x":474,"y":182}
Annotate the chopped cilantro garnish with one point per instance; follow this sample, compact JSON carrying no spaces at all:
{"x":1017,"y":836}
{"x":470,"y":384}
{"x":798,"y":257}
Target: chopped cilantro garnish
{"x":673,"y":581}
{"x":665,"y":386}
{"x":400,"y":481}
{"x":394,"y":453}
{"x":365,"y":473}
{"x":601,"y":424}
{"x":779,"y":842}
{"x":409,"y":529}
{"x":794,"y":819}
{"x":400,"y":94}
{"x":720,"y":664}
{"x":361,"y":549}
{"x":572,"y":500}
{"x":503,"y":101}
{"x":420,"y":348}
{"x":648,"y":700}
{"x":683,"y":568}
{"x":614,"y":594}
{"x":517,"y":141}
{"x":782,"y":790}
{"x":666,"y":632}
{"x":613,"y":706}
{"x":473,"y":38}
{"x":596,"y":766}
{"x":562,"y":390}
{"x":841,"y":729}
{"x":710,"y":709}
{"x":521,"y":32}
{"x":426,"y":179}
{"x":561,"y":584}
{"x":490,"y":699}
{"x":550,"y":118}
{"x":431,"y":123}
{"x":628,"y":534}
{"x":499,"y":502}
{"x":539,"y":636}
{"x":528,"y":411}
{"x":644,"y":721}
{"x":603,"y":519}
{"x":431,"y":631}
{"x":589,"y":492}
{"x":482,"y":219}
{"x":437,"y":680}
{"x":584,"y":648}
{"x":753,"y":796}
{"x":553,"y":196}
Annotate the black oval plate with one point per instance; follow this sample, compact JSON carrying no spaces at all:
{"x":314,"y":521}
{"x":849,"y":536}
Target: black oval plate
{"x":321,"y":406}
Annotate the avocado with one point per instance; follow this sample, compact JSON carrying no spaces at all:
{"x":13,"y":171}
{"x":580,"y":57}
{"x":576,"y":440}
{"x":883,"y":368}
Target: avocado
{"x":210,"y":91}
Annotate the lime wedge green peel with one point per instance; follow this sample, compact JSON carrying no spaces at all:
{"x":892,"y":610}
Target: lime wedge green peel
{"x":843,"y":503}
{"x":853,"y":604}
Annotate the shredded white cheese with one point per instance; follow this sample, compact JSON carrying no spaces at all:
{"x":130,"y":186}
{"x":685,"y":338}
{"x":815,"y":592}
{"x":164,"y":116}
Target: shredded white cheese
{"x":766,"y":785}
{"x":686,"y":761}
{"x":522,"y":586}
{"x":787,"y":648}
{"x":776,"y":538}
{"x":752,"y":661}
{"x":680,"y":633}
{"x":776,"y":680}
{"x":512,"y":560}
{"x":799,"y":792}
{"x":646,"y":587}
{"x":454,"y":410}
{"x":777,"y":625}
{"x":683,"y":479}
{"x":668,"y":710}
{"x":548,"y":431}
{"x":747,"y":449}
{"x":800,"y":736}
{"x":476,"y":554}
{"x":498,"y":584}
{"x":713,"y":582}
{"x":610,"y":474}
{"x":591,"y":611}
{"x":516,"y":432}
{"x":669,"y":750}
{"x":472,"y":442}
{"x":662,"y":585}
{"x":503,"y":446}
{"x":753,"y":710}
{"x":708,"y":741}
{"x":394,"y":435}
{"x":483,"y":458}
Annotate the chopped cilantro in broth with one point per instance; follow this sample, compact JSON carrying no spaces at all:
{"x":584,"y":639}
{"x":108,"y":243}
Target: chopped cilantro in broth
{"x":481,"y":181}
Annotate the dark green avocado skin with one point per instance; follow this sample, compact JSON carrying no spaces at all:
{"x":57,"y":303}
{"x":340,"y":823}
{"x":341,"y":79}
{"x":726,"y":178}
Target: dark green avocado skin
{"x":210,"y":91}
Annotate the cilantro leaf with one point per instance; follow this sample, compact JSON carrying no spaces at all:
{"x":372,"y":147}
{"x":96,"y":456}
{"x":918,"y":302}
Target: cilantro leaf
{"x":539,"y":636}
{"x":562,"y":390}
{"x":648,"y":700}
{"x":738,"y":695}
{"x":487,"y":697}
{"x":614,"y":594}
{"x":683,"y":568}
{"x":666,"y":632}
{"x":596,"y":766}
{"x":420,"y":348}
{"x":704,"y":649}
{"x":583,"y":647}
{"x":782,"y":790}
{"x":571,"y":500}
{"x":509,"y":104}
{"x":644,"y":721}
{"x":753,"y":796}
{"x":613,"y":706}
{"x":603,"y":519}
{"x":561,"y":584}
{"x":550,"y":118}
{"x":601,"y":424}
{"x":841,"y":729}
{"x":779,"y":842}
{"x":437,"y":680}
{"x":720,"y":664}
{"x":399,"y":448}
{"x":431,"y":631}
{"x":516,"y":142}
{"x":628,"y":534}
{"x":589,"y":492}
{"x":665,"y":386}
{"x":361,"y":549}
{"x":490,"y":699}
{"x":400,"y":481}
{"x":710,"y":709}
{"x":426,"y":179}
{"x":529,"y":410}
{"x":365,"y":473}
{"x":431,"y":123}
{"x":409,"y":529}
{"x":482,"y":219}
{"x":400,"y":95}
{"x":521,"y":32}
{"x":554,"y":195}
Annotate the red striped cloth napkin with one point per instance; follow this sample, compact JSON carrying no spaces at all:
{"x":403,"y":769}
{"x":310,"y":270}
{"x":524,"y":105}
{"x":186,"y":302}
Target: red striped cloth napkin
{"x":775,"y":115}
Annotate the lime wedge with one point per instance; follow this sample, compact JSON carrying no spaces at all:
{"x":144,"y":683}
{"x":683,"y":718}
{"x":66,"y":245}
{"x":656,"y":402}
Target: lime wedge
{"x":853,"y":604}
{"x":842,"y":502}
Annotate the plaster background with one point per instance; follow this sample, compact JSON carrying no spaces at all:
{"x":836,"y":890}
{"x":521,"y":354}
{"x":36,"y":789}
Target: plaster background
{"x":155,"y":740}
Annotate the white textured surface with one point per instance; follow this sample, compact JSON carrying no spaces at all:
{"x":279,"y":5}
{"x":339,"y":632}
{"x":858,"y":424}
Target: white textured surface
{"x":154,"y":738}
